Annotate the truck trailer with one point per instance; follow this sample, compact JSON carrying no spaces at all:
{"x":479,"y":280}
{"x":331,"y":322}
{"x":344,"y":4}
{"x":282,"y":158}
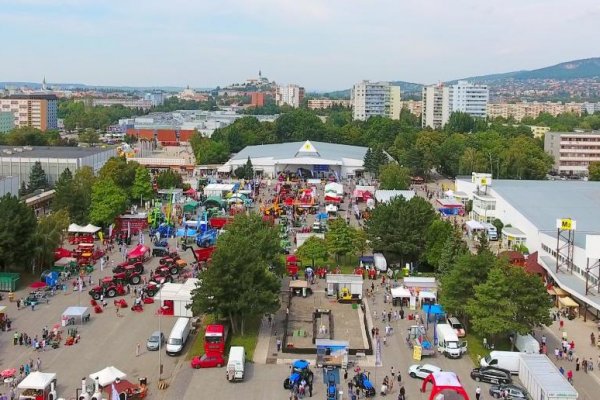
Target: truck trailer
{"x":543,"y":380}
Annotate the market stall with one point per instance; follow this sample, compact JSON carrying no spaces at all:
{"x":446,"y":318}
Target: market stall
{"x":400,"y":296}
{"x":73,"y":315}
{"x":125,"y":390}
{"x":426,"y":297}
{"x":176,"y":297}
{"x":38,"y":386}
{"x":443,"y":381}
{"x":570,"y":305}
{"x":108,"y":375}
{"x":139,"y":253}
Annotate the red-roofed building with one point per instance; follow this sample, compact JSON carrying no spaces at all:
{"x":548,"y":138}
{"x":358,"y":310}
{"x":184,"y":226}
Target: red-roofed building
{"x":185,"y":136}
{"x":147,"y":134}
{"x":514,"y":257}
{"x":533,"y":267}
{"x":257,"y":99}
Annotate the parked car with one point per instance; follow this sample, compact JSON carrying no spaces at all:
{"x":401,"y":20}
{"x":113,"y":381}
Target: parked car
{"x":209,"y":360}
{"x":514,"y":392}
{"x":156,"y":340}
{"x":491,"y":375}
{"x":422,"y":371}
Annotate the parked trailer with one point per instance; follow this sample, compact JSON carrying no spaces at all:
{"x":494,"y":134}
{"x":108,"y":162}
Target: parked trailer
{"x":543,"y":380}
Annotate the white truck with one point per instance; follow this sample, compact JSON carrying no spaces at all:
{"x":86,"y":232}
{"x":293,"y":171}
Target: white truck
{"x":236,"y":363}
{"x":490,"y":231}
{"x":380,"y":262}
{"x":527,"y":344}
{"x":448,"y":343}
{"x":543,"y":380}
{"x":509,"y":360}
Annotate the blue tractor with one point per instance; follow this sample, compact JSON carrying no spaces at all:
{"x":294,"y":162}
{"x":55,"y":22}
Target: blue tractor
{"x":361,"y":380}
{"x":207,"y":238}
{"x":300,"y":370}
{"x":332,"y":392}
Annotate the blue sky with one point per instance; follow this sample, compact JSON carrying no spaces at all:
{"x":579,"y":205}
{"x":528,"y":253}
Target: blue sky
{"x":320,"y":44}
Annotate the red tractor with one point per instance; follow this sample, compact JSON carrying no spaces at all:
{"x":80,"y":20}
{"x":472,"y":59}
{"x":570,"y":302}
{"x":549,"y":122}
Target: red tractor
{"x":175,"y":266}
{"x":137,"y":266}
{"x":129,"y":274}
{"x":109,"y":288}
{"x":151,"y":289}
{"x":162,"y":274}
{"x":322,"y":272}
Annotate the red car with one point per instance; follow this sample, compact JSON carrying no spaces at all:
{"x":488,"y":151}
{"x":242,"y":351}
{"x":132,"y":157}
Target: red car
{"x":209,"y":360}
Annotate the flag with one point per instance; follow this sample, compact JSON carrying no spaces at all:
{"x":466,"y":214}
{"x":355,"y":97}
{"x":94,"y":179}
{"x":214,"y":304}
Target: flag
{"x":101,"y":236}
{"x":110,"y":230}
{"x":128,"y":229}
{"x":80,"y":284}
{"x":114,"y":394}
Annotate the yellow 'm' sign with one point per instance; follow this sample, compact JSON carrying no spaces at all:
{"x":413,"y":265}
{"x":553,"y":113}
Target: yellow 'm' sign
{"x":417,"y":353}
{"x":566,"y":224}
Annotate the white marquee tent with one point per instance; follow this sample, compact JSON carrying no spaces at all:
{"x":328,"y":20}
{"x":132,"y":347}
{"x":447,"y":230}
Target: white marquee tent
{"x":37,"y":380}
{"x":108,"y":375}
{"x":179,"y":295}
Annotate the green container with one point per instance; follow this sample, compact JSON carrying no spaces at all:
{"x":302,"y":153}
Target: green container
{"x":9,"y":281}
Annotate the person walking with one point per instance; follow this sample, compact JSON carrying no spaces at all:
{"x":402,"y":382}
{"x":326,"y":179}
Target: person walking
{"x":278,"y":345}
{"x":137,"y":350}
{"x":570,"y":376}
{"x":38,"y":364}
{"x":478,"y":393}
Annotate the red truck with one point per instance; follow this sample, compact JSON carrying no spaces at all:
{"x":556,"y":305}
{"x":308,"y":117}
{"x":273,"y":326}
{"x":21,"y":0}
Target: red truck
{"x":201,"y":254}
{"x":292,"y":265}
{"x":215,"y":337}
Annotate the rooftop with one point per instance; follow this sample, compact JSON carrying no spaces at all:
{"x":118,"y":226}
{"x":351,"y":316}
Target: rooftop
{"x":328,"y":151}
{"x":49,"y":151}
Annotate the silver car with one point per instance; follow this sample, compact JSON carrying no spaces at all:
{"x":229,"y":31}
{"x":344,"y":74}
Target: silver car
{"x":155,"y":341}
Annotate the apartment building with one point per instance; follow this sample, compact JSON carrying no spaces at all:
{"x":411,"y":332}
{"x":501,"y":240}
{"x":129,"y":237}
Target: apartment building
{"x":375,"y":98}
{"x":257,"y":99}
{"x":292,"y":95}
{"x":436,"y":106}
{"x":7,"y":121}
{"x":573,"y":151}
{"x":415,"y":107}
{"x":469,"y":98}
{"x":519,"y":111}
{"x":316,"y":104}
{"x":36,"y":110}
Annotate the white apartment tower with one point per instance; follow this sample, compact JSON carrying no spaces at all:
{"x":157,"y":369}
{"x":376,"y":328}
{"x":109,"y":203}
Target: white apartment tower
{"x":375,"y":98}
{"x":440,"y":101}
{"x":292,"y":95}
{"x":469,"y":98}
{"x":436,"y":106}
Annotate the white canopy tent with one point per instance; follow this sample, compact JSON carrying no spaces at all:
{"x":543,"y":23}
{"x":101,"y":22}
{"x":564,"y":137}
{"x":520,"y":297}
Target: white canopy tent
{"x":108,"y":375}
{"x":89,"y":228}
{"x":331,"y":208}
{"x":400,"y":292}
{"x":37,"y":380}
{"x":420,"y":282}
{"x":74,"y":228}
{"x":80,"y":314}
{"x":427,"y":295}
{"x":473,"y":225}
{"x":335,"y":187}
{"x":179,"y":295}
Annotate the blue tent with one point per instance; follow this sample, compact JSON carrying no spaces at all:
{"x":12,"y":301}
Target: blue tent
{"x":189,"y":232}
{"x":322,"y":216}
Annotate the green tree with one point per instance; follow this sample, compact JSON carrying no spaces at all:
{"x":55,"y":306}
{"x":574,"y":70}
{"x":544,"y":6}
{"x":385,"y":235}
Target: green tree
{"x":361,"y":242}
{"x":340,"y":238}
{"x":37,"y":178}
{"x":120,"y":171}
{"x":209,"y":151}
{"x":510,"y":300}
{"x":89,"y":136}
{"x":312,"y":249}
{"x":73,"y":193}
{"x":399,"y":226}
{"x":594,"y":171}
{"x":453,"y":248}
{"x":108,"y":201}
{"x":64,"y":189}
{"x":239,"y":283}
{"x":142,"y":185}
{"x":169,"y":180}
{"x":458,"y":283}
{"x":17,"y":229}
{"x":460,"y":122}
{"x":436,"y":237}
{"x":48,"y":236}
{"x":498,"y":224}
{"x":246,"y":171}
{"x":368,"y":162}
{"x":393,"y":176}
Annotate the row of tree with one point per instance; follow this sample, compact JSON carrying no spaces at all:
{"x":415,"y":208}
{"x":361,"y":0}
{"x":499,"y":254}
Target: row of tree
{"x":79,"y":115}
{"x":28,"y":136}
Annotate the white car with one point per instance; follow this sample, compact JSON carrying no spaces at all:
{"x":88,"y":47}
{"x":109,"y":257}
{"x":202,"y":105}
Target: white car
{"x":422,"y":371}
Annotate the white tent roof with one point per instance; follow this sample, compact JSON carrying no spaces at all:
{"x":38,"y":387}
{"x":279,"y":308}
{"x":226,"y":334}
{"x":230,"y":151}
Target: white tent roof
{"x":74,"y":311}
{"x":334,"y":187}
{"x":331,"y":208}
{"x":108,"y":375}
{"x":74,"y":228}
{"x":446,"y":378}
{"x":400,"y":292}
{"x":89,"y":228}
{"x":37,"y":380}
{"x":426,"y":295}
{"x":177,"y":291}
{"x":419,"y":282}
{"x":474,"y":225}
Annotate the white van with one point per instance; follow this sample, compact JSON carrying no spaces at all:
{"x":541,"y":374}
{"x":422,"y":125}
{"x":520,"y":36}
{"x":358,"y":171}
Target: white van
{"x":527,"y":344}
{"x":509,"y":360}
{"x":380,"y":262}
{"x":236,"y":363}
{"x":178,"y":336}
{"x":448,"y":343}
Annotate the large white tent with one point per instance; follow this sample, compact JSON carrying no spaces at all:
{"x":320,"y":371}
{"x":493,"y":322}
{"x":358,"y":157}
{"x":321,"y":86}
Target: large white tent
{"x":79,"y":314}
{"x":179,"y":295}
{"x":108,"y":375}
{"x":37,"y":380}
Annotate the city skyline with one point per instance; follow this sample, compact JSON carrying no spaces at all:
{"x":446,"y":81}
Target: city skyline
{"x":318,"y":45}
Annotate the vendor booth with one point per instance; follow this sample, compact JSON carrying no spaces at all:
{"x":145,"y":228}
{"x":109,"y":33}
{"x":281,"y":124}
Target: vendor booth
{"x":474,"y":228}
{"x":126,"y":390}
{"x":450,"y":207}
{"x":107,"y":376}
{"x":139,"y":253}
{"x":38,"y":386}
{"x":570,"y":305}
{"x":443,"y":381}
{"x":400,"y":296}
{"x":73,"y":315}
{"x":176,"y":297}
{"x":426,"y":297}
{"x":420,"y":283}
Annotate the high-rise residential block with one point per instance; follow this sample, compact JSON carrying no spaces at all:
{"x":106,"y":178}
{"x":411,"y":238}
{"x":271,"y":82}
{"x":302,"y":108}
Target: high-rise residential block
{"x":36,"y":110}
{"x":7,"y":121}
{"x":375,"y":98}
{"x":439,"y":101}
{"x":573,"y":151}
{"x":257,"y":99}
{"x":292,"y":95}
{"x":436,"y":106}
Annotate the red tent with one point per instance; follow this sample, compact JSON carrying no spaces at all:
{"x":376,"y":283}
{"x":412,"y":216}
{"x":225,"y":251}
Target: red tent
{"x":60,"y":253}
{"x":140,"y":251}
{"x":442,"y":381}
{"x":190,"y":192}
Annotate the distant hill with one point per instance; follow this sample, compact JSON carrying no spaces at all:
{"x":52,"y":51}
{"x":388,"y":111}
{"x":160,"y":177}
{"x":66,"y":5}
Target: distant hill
{"x":73,"y":86}
{"x":577,"y":69}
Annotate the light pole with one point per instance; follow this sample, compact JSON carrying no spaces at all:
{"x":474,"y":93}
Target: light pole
{"x":160,"y":339}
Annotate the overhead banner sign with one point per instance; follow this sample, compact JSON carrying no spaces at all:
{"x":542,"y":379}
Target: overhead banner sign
{"x":566,"y":224}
